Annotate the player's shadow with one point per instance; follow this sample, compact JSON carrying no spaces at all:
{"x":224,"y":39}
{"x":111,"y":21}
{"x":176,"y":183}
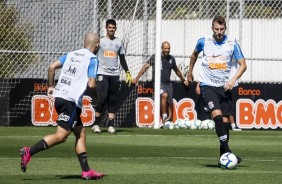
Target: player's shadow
{"x":69,"y":177}
{"x":209,"y":165}
{"x":123,"y":130}
{"x":216,"y":166}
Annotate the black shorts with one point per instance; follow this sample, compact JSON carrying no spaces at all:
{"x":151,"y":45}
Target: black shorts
{"x":107,"y":87}
{"x":215,"y":98}
{"x":167,"y":87}
{"x":69,"y":114}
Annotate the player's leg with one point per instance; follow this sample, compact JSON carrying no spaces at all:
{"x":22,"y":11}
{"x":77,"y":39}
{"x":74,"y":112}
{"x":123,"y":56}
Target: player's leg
{"x":102,"y":89}
{"x":164,"y":107}
{"x":80,"y":149}
{"x":212,"y":102}
{"x":164,"y":104}
{"x":170,"y":101}
{"x":65,"y":110}
{"x":113,"y":88}
{"x":227,"y":110}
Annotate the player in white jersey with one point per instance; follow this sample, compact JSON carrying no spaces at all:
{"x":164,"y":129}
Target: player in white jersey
{"x":216,"y":76}
{"x":77,"y":78}
{"x":110,"y":52}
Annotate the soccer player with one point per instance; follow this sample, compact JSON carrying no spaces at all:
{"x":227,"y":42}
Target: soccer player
{"x":168,"y":63}
{"x":111,"y":48}
{"x":220,"y":52}
{"x":77,"y":78}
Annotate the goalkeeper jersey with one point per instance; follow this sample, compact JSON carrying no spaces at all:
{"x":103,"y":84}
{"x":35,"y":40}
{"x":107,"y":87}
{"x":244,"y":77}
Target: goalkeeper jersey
{"x":108,"y":54}
{"x":78,"y":66}
{"x":219,"y":62}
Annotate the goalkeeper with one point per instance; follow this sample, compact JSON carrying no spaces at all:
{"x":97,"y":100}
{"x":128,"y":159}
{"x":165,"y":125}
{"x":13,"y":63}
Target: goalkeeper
{"x":110,"y":52}
{"x":168,"y":63}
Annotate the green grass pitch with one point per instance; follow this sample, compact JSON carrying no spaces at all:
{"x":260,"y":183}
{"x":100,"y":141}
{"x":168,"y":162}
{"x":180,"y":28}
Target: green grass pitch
{"x":136,"y":155}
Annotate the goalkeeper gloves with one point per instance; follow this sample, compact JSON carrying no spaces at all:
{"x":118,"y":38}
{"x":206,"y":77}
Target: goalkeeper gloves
{"x":128,"y":78}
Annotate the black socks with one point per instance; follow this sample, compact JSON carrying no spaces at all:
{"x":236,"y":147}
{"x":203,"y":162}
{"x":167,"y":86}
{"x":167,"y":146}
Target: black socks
{"x":222,"y":134}
{"x":82,"y":157}
{"x":41,"y":145}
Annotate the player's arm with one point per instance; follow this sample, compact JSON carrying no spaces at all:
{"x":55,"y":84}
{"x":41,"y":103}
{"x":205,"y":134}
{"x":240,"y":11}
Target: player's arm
{"x":141,"y":72}
{"x":51,"y":72}
{"x":179,"y":74}
{"x":51,"y":76}
{"x":193,"y":60}
{"x":194,"y":56}
{"x":91,"y":88}
{"x":125,"y":67}
{"x":123,"y":62}
{"x":242,"y":67}
{"x":198,"y":90}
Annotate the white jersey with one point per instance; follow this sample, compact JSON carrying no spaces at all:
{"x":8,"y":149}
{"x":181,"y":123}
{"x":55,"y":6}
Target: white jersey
{"x":217,"y":62}
{"x":74,"y":76}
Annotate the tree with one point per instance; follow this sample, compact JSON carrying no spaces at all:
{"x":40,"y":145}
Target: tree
{"x":14,"y":41}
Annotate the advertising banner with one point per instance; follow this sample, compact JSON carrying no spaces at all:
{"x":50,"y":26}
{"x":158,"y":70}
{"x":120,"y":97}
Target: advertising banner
{"x":256,"y":106}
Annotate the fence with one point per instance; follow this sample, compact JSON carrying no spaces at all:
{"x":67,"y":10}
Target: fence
{"x":33,"y":33}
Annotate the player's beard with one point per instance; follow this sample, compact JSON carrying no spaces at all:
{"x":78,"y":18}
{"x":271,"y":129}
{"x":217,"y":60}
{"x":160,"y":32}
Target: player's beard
{"x":218,"y":37}
{"x":96,"y":50}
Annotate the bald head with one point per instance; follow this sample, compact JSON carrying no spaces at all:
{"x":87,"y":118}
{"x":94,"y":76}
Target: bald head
{"x":165,"y":44}
{"x":165,"y":48}
{"x":91,"y":41}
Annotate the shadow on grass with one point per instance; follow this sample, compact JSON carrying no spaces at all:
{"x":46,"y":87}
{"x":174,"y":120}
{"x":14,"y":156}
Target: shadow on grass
{"x":216,"y":166}
{"x":70,"y":177}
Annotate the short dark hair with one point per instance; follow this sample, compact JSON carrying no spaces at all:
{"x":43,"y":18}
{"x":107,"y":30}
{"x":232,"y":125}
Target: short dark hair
{"x":111,"y":21}
{"x":220,"y":20}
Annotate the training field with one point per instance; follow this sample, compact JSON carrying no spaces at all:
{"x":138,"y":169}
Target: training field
{"x":137,"y":155}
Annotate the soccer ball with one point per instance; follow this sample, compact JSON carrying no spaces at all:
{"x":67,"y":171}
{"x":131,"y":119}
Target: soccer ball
{"x":171,"y":125}
{"x":228,"y":161}
{"x":204,"y":124}
{"x":181,"y":123}
{"x":166,"y":125}
{"x":177,"y":125}
{"x":178,"y":122}
{"x":211,"y":124}
{"x":187,"y":123}
{"x":208,"y":124}
{"x":196,"y":124}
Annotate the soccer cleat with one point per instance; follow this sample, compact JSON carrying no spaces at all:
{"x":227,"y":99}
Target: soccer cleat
{"x":26,"y":157}
{"x":91,"y":175}
{"x":96,"y":129}
{"x":239,"y":159}
{"x":236,"y":129}
{"x":111,"y":130}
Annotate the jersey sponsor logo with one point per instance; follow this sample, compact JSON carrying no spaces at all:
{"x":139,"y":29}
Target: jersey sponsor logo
{"x":217,"y":66}
{"x":217,"y":80}
{"x":71,"y":70}
{"x":63,"y":117}
{"x":111,"y":54}
{"x":75,"y":60}
{"x":217,"y":62}
{"x":79,"y":54}
{"x":66,"y":81}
